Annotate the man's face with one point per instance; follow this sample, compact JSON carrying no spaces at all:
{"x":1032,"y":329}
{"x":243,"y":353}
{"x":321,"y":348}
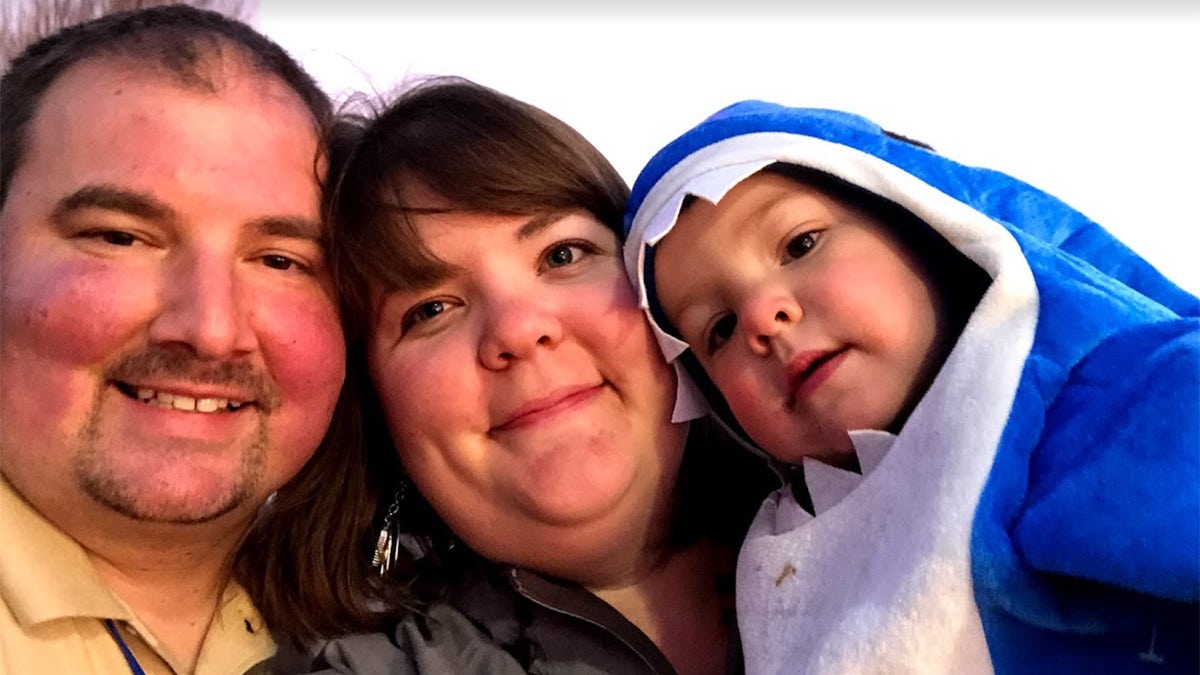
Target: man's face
{"x":170,"y":346}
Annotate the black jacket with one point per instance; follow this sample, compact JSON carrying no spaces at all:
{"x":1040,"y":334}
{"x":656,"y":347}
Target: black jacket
{"x":502,"y":621}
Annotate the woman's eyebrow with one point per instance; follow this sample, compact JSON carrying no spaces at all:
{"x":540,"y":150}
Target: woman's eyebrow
{"x":538,"y":223}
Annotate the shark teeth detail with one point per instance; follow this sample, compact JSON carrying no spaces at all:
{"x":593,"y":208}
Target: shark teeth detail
{"x":162,"y":399}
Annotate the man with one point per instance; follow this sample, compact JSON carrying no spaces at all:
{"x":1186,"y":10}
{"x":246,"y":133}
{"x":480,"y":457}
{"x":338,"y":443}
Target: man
{"x":171,"y":350}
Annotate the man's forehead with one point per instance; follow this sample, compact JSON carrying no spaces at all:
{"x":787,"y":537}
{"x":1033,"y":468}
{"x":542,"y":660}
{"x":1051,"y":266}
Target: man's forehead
{"x":107,"y":123}
{"x":216,"y":72}
{"x":123,"y":85}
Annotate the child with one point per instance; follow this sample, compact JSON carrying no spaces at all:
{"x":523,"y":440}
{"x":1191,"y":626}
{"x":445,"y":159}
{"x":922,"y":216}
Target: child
{"x":985,"y":405}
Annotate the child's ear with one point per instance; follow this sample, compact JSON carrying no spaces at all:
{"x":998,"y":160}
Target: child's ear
{"x":906,"y":139}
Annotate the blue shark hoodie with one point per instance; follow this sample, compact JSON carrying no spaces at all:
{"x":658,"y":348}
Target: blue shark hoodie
{"x":1039,"y":511}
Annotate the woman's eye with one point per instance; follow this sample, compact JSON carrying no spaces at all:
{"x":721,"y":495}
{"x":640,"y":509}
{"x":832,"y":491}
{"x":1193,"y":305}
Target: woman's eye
{"x":562,"y":255}
{"x":722,"y":329}
{"x":567,"y":253}
{"x":422,"y":313}
{"x":801,"y":244}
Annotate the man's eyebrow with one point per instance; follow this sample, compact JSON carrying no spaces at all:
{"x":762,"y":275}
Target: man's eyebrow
{"x":112,"y":198}
{"x":147,"y":207}
{"x":537,"y":224}
{"x":291,"y":227}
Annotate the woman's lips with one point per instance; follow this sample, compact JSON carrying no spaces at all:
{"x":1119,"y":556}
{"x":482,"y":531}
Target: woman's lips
{"x":809,"y":370}
{"x":545,"y":407}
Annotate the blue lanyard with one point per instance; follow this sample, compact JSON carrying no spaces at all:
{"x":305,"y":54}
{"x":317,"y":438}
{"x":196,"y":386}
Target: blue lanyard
{"x":134,"y":666}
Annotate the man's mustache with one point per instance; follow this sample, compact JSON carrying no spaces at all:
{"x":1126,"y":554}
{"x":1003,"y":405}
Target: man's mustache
{"x":178,"y":362}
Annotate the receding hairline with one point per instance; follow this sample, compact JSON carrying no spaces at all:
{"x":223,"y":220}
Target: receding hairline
{"x":218,"y":74}
{"x":222,"y":64}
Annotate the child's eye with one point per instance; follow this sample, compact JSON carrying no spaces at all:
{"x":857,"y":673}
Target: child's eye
{"x":720,"y":332}
{"x":566,"y":253}
{"x":801,"y":244}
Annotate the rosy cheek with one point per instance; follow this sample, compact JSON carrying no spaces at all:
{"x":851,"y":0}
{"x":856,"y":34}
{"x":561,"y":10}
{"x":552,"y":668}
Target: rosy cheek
{"x":742,"y":392}
{"x":305,"y":354}
{"x":612,"y":311}
{"x":413,"y":388}
{"x":61,"y":325}
{"x":408,"y":392}
{"x":76,"y":313}
{"x":304,"y":347}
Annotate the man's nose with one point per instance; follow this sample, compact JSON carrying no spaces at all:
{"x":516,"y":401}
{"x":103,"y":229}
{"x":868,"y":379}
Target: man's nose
{"x":204,"y":306}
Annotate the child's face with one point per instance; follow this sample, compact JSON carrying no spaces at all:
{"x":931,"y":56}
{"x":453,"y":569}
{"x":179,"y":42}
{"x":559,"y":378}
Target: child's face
{"x":810,"y":317}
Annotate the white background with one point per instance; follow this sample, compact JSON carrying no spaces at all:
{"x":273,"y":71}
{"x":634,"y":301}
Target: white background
{"x":1092,"y":103}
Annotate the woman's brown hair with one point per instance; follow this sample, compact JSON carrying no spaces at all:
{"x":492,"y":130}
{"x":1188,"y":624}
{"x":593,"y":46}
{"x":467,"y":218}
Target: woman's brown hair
{"x":480,"y":151}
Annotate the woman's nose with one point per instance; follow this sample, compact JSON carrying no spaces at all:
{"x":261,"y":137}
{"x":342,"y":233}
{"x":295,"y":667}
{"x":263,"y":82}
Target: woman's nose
{"x":517,"y":330}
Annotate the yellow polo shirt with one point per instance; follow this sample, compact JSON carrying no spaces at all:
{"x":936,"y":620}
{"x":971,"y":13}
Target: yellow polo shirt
{"x":55,"y":604}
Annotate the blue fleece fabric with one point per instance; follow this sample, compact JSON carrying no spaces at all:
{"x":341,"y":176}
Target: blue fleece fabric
{"x":1085,"y":543}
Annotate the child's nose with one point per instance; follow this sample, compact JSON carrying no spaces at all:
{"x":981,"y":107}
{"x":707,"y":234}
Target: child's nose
{"x":766,"y":317}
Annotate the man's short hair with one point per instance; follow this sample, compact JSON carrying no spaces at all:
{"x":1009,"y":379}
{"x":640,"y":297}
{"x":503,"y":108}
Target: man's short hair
{"x":176,"y":41}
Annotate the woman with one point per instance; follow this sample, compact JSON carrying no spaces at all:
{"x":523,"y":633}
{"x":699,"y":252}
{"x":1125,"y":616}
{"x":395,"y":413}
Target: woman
{"x":536,"y":525}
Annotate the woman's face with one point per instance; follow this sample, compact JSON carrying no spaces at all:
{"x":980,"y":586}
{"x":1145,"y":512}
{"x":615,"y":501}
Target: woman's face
{"x":525,"y":393}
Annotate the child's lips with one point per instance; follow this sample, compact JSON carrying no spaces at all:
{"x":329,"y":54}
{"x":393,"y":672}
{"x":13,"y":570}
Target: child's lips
{"x":807,"y":371}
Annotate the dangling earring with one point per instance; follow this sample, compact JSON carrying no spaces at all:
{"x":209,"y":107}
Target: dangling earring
{"x":387,"y":547}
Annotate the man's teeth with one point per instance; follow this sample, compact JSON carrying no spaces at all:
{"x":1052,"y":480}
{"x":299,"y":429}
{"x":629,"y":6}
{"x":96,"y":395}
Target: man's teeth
{"x":188,"y":403}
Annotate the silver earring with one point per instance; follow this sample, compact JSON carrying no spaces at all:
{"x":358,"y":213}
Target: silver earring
{"x":387,"y":547}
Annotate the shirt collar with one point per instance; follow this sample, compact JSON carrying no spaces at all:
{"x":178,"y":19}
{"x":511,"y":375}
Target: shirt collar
{"x":45,"y":574}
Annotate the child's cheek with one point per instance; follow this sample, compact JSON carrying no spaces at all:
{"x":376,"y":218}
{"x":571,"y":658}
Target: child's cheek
{"x":744,"y":392}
